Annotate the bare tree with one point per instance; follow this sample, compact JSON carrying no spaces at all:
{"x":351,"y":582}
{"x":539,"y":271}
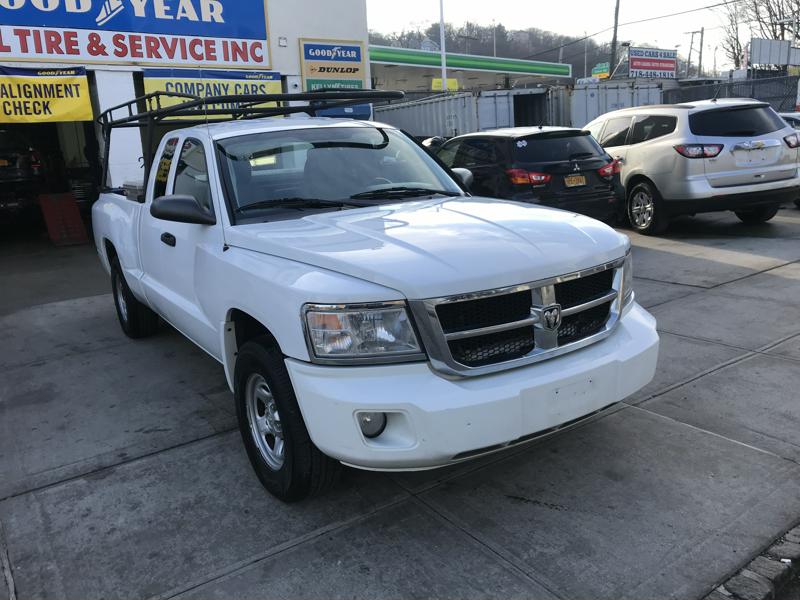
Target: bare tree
{"x":734,"y":27}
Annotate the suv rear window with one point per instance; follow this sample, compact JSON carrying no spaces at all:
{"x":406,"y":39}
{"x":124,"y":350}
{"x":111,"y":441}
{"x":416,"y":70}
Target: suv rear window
{"x":553,"y":147}
{"x":735,"y":121}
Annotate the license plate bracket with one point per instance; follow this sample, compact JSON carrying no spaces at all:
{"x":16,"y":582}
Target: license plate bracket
{"x":571,"y":181}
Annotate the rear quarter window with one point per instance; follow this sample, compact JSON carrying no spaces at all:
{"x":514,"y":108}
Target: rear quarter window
{"x":554,"y":148}
{"x":652,"y":127}
{"x":736,"y":122}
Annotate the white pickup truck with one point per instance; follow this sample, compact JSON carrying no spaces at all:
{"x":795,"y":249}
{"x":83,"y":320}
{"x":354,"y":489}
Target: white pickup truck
{"x":366,"y":309}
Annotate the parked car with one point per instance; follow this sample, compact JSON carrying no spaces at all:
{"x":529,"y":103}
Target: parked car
{"x":699,"y":157}
{"x":366,"y":310}
{"x":792,"y":118}
{"x":551,"y":166}
{"x":20,"y":175}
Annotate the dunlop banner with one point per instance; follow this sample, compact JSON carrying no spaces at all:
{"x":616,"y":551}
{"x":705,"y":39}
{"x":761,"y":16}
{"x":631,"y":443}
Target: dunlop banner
{"x":332,"y":64}
{"x":44,"y":95}
{"x":204,"y":83}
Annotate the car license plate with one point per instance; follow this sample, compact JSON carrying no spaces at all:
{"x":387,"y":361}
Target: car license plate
{"x":575,"y":180}
{"x":3,"y":162}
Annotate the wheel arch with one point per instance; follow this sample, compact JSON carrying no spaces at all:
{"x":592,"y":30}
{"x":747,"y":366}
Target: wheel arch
{"x":636,"y":179}
{"x":239,"y":328}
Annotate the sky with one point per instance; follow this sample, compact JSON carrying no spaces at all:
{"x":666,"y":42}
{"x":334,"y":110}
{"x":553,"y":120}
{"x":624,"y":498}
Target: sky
{"x":573,"y":17}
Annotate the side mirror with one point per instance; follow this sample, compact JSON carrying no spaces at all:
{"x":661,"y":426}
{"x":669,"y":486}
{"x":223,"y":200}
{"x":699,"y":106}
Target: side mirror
{"x":465,"y":175}
{"x":181,"y":209}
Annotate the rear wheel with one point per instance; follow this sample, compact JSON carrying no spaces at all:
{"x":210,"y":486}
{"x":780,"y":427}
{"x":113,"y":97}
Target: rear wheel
{"x":646,"y":209}
{"x":136,"y":319}
{"x":283,"y":456}
{"x":754,"y":216}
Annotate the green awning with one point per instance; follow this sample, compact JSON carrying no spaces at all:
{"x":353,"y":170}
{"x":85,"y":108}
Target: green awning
{"x":387,"y":55}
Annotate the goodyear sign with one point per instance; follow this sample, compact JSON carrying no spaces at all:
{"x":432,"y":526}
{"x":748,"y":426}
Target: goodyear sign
{"x":197,"y":33}
{"x":332,"y":64}
{"x":44,"y":95}
{"x":204,"y":83}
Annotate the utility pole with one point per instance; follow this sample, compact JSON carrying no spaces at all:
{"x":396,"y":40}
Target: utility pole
{"x":689,"y":60}
{"x":441,"y":45}
{"x":613,"y":60}
{"x":585,"y":55}
{"x":494,"y":38}
{"x":700,"y":59}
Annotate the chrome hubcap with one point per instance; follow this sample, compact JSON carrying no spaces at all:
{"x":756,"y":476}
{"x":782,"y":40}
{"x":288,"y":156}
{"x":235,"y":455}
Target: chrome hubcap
{"x":642,"y":209}
{"x":121,"y":303}
{"x":265,"y":421}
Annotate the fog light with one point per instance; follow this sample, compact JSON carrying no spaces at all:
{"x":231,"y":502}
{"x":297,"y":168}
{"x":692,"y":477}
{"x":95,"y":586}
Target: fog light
{"x":372,"y":423}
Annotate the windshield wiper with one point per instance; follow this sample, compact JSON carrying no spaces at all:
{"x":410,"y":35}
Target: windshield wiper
{"x":401,"y":192}
{"x":296,"y":202}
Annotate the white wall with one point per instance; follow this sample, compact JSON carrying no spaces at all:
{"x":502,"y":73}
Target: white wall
{"x":323,"y":19}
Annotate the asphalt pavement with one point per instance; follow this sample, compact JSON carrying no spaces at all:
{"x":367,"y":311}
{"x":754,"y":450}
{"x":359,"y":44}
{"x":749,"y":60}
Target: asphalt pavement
{"x":122,"y":474}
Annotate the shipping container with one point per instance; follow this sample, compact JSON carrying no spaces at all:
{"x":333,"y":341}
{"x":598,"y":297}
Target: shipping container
{"x":591,"y":100}
{"x":467,"y":112}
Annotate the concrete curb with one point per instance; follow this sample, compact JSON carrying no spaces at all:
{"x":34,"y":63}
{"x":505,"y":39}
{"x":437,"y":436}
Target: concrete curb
{"x":767,"y":574}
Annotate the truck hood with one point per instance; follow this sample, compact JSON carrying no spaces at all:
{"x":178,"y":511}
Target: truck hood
{"x":432,"y":248}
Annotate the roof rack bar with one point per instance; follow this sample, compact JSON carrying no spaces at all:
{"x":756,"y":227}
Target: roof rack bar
{"x":148,"y":111}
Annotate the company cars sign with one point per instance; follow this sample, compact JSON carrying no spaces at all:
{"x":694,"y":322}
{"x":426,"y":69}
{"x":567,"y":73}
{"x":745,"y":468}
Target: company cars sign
{"x":200,"y":33}
{"x":653,"y":63}
{"x":332,"y":64}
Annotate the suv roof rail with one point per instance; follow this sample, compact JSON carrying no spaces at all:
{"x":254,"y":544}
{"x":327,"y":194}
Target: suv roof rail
{"x":185,"y":110}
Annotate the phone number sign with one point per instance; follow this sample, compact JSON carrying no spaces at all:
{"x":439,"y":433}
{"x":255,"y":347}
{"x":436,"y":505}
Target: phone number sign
{"x":200,"y":33}
{"x":653,"y":63}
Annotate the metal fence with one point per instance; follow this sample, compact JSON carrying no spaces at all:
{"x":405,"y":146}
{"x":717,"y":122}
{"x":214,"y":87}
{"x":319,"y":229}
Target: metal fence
{"x":780,"y":92}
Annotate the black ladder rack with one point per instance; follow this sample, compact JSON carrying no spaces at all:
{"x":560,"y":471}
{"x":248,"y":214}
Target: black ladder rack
{"x":148,"y":111}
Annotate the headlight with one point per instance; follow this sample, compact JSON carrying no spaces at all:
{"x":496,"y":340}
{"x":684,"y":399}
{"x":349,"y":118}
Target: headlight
{"x":627,"y":279}
{"x":361,"y":333}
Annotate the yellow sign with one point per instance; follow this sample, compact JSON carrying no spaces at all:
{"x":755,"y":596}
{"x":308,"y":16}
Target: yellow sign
{"x":44,"y":95}
{"x":436,"y":84}
{"x":332,"y":64}
{"x":205,"y":83}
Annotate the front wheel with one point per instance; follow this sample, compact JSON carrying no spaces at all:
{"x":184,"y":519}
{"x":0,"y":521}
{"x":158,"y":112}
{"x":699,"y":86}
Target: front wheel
{"x":287,"y":462}
{"x":755,"y":216}
{"x":646,"y":209}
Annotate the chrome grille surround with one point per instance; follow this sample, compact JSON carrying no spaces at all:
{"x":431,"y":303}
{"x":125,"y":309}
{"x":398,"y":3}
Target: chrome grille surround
{"x":543,"y":294}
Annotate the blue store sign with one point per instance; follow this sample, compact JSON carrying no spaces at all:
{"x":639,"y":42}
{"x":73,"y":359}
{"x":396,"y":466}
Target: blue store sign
{"x":200,"y":33}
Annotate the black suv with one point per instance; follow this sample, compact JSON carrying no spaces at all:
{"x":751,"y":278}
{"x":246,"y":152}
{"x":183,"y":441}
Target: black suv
{"x":553,"y":166}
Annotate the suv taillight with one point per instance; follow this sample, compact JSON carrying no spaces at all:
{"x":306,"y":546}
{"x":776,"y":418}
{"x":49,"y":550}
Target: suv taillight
{"x":699,"y":150}
{"x":523,"y":177}
{"x":793,"y":141}
{"x":609,"y":170}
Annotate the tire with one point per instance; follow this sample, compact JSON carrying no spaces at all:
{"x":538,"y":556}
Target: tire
{"x":756,"y":216}
{"x":645,"y":209}
{"x":286,"y":461}
{"x":136,"y":319}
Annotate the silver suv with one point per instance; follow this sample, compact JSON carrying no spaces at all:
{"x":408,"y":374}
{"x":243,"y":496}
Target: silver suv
{"x":705,"y":156}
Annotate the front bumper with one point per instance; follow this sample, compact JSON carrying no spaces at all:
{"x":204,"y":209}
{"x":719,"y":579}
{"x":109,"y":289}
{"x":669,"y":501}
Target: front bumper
{"x":435,"y":422}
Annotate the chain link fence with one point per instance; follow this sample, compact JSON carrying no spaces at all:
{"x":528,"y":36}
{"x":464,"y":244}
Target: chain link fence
{"x":780,"y":92}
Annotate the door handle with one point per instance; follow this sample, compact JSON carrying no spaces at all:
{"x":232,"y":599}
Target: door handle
{"x":168,"y":239}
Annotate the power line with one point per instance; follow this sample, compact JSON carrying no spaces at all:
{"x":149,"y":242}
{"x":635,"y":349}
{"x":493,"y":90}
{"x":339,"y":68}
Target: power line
{"x":607,"y":29}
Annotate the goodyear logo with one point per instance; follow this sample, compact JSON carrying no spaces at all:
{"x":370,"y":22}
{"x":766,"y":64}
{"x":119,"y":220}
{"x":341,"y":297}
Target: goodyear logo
{"x":331,"y":52}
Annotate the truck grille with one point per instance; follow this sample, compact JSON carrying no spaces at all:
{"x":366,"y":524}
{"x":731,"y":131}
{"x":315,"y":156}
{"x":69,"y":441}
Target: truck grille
{"x":485,"y":331}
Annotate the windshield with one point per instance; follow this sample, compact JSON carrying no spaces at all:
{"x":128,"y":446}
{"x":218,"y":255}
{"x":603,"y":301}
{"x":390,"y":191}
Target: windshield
{"x":328,"y":164}
{"x":556,"y":147}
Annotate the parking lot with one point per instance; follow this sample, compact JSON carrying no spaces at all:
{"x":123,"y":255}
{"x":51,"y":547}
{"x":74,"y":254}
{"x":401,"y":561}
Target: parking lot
{"x":122,"y":474}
